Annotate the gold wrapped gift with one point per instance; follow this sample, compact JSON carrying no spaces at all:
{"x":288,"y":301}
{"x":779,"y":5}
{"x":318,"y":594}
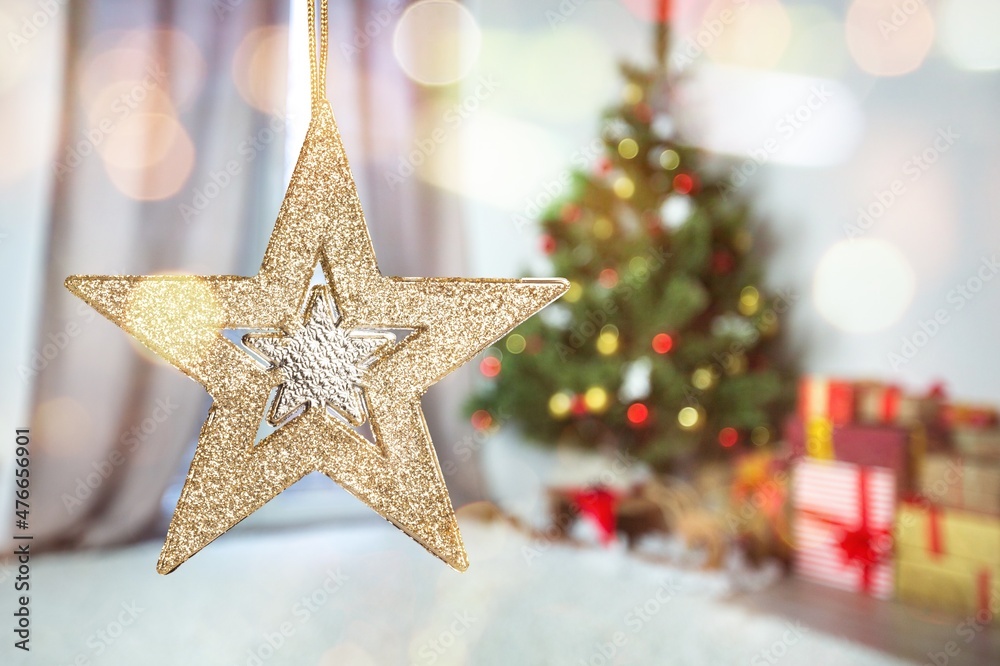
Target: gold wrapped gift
{"x":947,"y":559}
{"x":959,"y":591}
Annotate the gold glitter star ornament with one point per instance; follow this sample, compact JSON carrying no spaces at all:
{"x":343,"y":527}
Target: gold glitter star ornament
{"x":352,"y":365}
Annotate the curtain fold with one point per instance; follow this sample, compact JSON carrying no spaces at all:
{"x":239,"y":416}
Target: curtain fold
{"x":151,"y":118}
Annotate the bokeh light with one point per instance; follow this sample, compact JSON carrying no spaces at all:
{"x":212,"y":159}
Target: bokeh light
{"x":637,"y":413}
{"x":490,"y":366}
{"x":628,"y":148}
{"x":607,"y":341}
{"x":863,"y":285}
{"x":194,"y":311}
{"x":669,"y":159}
{"x":516,"y":343}
{"x":481,"y":419}
{"x":603,"y":228}
{"x":969,"y":33}
{"x":608,"y":278}
{"x":260,"y":68}
{"x":64,"y":428}
{"x":574,"y":292}
{"x":557,"y":75}
{"x":184,"y":76}
{"x":817,"y":46}
{"x":889,"y":38}
{"x":624,"y":187}
{"x":559,"y":404}
{"x":749,"y":300}
{"x":662,"y":343}
{"x":783,"y":118}
{"x":436,"y":42}
{"x":756,"y":36}
{"x":728,"y":437}
{"x":760,"y":436}
{"x":689,"y":418}
{"x":489,"y":157}
{"x":141,"y":140}
{"x":596,"y":399}
{"x":702,"y":378}
{"x":158,"y":173}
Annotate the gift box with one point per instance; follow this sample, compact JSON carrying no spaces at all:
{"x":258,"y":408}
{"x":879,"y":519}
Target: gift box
{"x":759,"y":516}
{"x":878,"y":402}
{"x":972,"y":441}
{"x":962,"y":482}
{"x":823,"y":403}
{"x":947,"y":559}
{"x":842,"y":525}
{"x":956,"y":591}
{"x":899,"y":449}
{"x":967,"y":415}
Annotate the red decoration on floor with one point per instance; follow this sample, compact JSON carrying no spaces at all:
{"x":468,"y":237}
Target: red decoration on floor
{"x":598,"y":505}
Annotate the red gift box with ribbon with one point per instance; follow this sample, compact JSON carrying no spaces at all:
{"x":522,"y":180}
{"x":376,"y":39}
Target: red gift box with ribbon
{"x":842,"y":525}
{"x":899,"y":449}
{"x":878,"y":402}
{"x":822,"y":404}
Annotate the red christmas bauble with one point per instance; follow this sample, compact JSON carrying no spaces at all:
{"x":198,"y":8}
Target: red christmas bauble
{"x":662,"y":343}
{"x":548,"y":244}
{"x":684,"y":183}
{"x":571,"y":212}
{"x":722,"y":262}
{"x":637,"y":414}
{"x":642,"y":112}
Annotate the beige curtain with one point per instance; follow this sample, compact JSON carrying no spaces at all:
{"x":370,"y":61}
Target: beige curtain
{"x":152,"y":115}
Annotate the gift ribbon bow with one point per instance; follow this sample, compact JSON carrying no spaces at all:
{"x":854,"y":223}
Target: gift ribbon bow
{"x":862,"y":545}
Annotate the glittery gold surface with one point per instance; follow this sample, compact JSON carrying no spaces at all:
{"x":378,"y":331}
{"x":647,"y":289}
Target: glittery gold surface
{"x":180,"y":318}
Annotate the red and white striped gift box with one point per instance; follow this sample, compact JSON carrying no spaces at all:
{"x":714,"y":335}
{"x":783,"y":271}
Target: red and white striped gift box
{"x":842,"y":525}
{"x":830,"y":399}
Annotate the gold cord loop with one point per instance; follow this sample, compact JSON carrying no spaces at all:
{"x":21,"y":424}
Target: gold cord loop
{"x":317,"y":65}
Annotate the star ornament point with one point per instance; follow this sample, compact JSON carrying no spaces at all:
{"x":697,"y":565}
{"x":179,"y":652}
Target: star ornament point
{"x":182,"y":319}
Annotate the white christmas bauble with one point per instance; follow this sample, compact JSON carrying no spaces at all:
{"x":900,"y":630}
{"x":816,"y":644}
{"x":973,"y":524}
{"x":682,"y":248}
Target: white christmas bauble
{"x":557,"y":316}
{"x":663,"y":126}
{"x":635,"y":381}
{"x":676,"y":210}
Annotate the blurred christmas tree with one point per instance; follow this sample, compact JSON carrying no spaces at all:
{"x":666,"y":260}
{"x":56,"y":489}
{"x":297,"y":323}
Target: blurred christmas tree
{"x":666,"y":346}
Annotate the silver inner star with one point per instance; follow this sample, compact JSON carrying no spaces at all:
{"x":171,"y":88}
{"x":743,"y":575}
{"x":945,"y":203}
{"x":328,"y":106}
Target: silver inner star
{"x":321,"y":363}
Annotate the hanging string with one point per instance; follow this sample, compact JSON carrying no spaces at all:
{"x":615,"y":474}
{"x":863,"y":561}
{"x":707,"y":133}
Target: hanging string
{"x":317,"y":64}
{"x":662,"y":36}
